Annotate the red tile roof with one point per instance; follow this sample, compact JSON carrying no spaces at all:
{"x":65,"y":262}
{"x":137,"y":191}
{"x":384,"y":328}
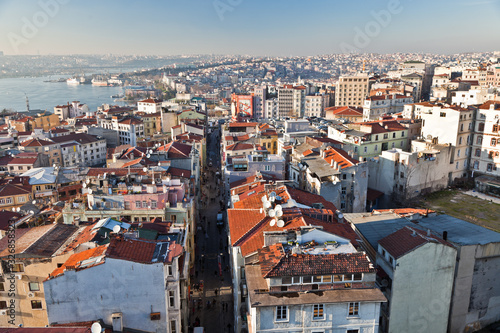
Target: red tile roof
{"x":151,"y":100}
{"x":176,"y":149}
{"x":141,"y":251}
{"x":275,"y":263}
{"x":94,"y":172}
{"x":340,"y":156}
{"x":345,"y":111}
{"x":487,"y":105}
{"x":239,"y":146}
{"x":242,"y":124}
{"x":408,"y":239}
{"x":36,"y":143}
{"x":131,"y":121}
{"x":14,"y":189}
{"x":132,"y":162}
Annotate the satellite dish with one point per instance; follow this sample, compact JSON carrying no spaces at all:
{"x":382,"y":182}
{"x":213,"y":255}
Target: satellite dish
{"x":267,"y":204}
{"x":272,"y":223}
{"x":264,"y":199}
{"x":18,"y":209}
{"x":150,"y":151}
{"x":84,"y":185}
{"x":88,"y":181}
{"x":279,"y":213}
{"x":116,"y":229}
{"x":90,"y":191}
{"x":34,"y":202}
{"x":281,"y":223}
{"x":261,"y":210}
{"x":272,"y":198}
{"x":272,"y":213}
{"x":145,"y":169}
{"x":96,"y":328}
{"x":148,"y":156}
{"x":272,"y":194}
{"x":278,"y":207}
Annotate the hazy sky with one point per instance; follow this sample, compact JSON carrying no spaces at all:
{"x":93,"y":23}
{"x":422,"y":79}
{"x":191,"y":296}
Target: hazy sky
{"x":256,"y":27}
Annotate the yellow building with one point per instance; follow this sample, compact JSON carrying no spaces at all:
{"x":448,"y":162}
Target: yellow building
{"x":14,"y":194}
{"x":49,"y":148}
{"x":268,"y":138}
{"x":45,"y":122}
{"x":151,"y":122}
{"x":32,"y":266}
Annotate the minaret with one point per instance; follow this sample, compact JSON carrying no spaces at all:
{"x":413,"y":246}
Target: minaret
{"x":27,"y":104}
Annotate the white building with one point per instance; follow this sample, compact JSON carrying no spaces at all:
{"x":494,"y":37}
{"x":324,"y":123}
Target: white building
{"x":129,"y":128}
{"x":450,"y":125}
{"x":271,"y":110}
{"x":150,"y":105}
{"x":485,"y":157}
{"x":138,"y":286}
{"x":81,"y":149}
{"x":376,"y":106}
{"x":312,"y":281}
{"x":73,"y":110}
{"x":314,"y":106}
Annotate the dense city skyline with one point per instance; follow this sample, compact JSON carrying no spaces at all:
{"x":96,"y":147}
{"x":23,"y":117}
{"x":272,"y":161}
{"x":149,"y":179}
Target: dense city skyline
{"x":241,"y":27}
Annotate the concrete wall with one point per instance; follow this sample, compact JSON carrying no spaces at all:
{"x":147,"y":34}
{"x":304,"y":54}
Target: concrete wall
{"x":97,"y":292}
{"x":476,"y":294}
{"x":422,"y":289}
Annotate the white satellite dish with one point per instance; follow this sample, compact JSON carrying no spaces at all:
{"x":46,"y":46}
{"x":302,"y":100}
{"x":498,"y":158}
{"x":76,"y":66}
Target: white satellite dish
{"x":84,"y":185}
{"x":145,"y":169}
{"x":272,"y":213}
{"x":267,"y":204}
{"x":88,"y":181}
{"x":18,"y":209}
{"x":281,"y":223}
{"x":96,"y":328}
{"x":272,"y":223}
{"x":34,"y":202}
{"x":261,"y":210}
{"x":90,"y":191}
{"x":279,"y":213}
{"x":148,"y":156}
{"x":264,"y":199}
{"x":272,"y":198}
{"x":116,"y":229}
{"x":150,"y":151}
{"x":278,"y":207}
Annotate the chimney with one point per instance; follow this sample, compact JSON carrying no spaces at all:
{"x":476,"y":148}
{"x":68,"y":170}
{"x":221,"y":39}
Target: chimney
{"x":117,"y":322}
{"x":445,"y":235}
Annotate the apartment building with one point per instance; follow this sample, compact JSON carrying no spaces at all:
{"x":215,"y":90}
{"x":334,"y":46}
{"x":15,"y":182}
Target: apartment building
{"x":351,"y":90}
{"x":81,"y":149}
{"x":376,"y":106}
{"x":150,"y":105}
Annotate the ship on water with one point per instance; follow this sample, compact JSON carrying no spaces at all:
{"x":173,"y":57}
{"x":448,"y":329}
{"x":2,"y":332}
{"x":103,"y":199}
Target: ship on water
{"x":76,"y":80}
{"x":100,"y":80}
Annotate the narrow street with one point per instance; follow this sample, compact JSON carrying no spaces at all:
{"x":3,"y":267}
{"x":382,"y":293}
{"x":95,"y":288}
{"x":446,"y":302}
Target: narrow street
{"x":211,"y":304}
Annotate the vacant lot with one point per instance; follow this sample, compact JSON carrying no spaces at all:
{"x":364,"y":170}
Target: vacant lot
{"x":465,"y":207}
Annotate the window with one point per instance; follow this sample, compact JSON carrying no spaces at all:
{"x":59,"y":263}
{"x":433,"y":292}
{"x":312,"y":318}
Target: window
{"x":295,"y":279}
{"x":493,"y":142}
{"x":394,"y":135}
{"x":281,"y":313}
{"x":267,"y":168}
{"x":137,"y":204}
{"x":36,"y":304}
{"x":442,"y":114}
{"x":353,"y":308}
{"x":376,"y":137}
{"x":318,"y":312}
{"x":476,"y":165}
{"x":376,"y":147}
{"x":478,"y":153}
{"x":153,"y":203}
{"x":169,"y":270}
{"x":489,"y":167}
{"x":386,"y":136}
{"x":365,"y":149}
{"x":358,"y":276}
{"x":18,"y":268}
{"x":3,"y":305}
{"x":458,"y":153}
{"x":144,"y":204}
{"x":479,"y":140}
{"x":460,"y":140}
{"x":402,"y":134}
{"x":34,"y":286}
{"x":171,"y":298}
{"x":2,"y":288}
{"x":173,"y":326}
{"x":352,"y":331}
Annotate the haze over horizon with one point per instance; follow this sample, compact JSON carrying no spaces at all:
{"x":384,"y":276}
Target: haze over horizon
{"x":278,"y":28}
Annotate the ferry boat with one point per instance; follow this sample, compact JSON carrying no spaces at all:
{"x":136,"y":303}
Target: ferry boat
{"x":73,"y":81}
